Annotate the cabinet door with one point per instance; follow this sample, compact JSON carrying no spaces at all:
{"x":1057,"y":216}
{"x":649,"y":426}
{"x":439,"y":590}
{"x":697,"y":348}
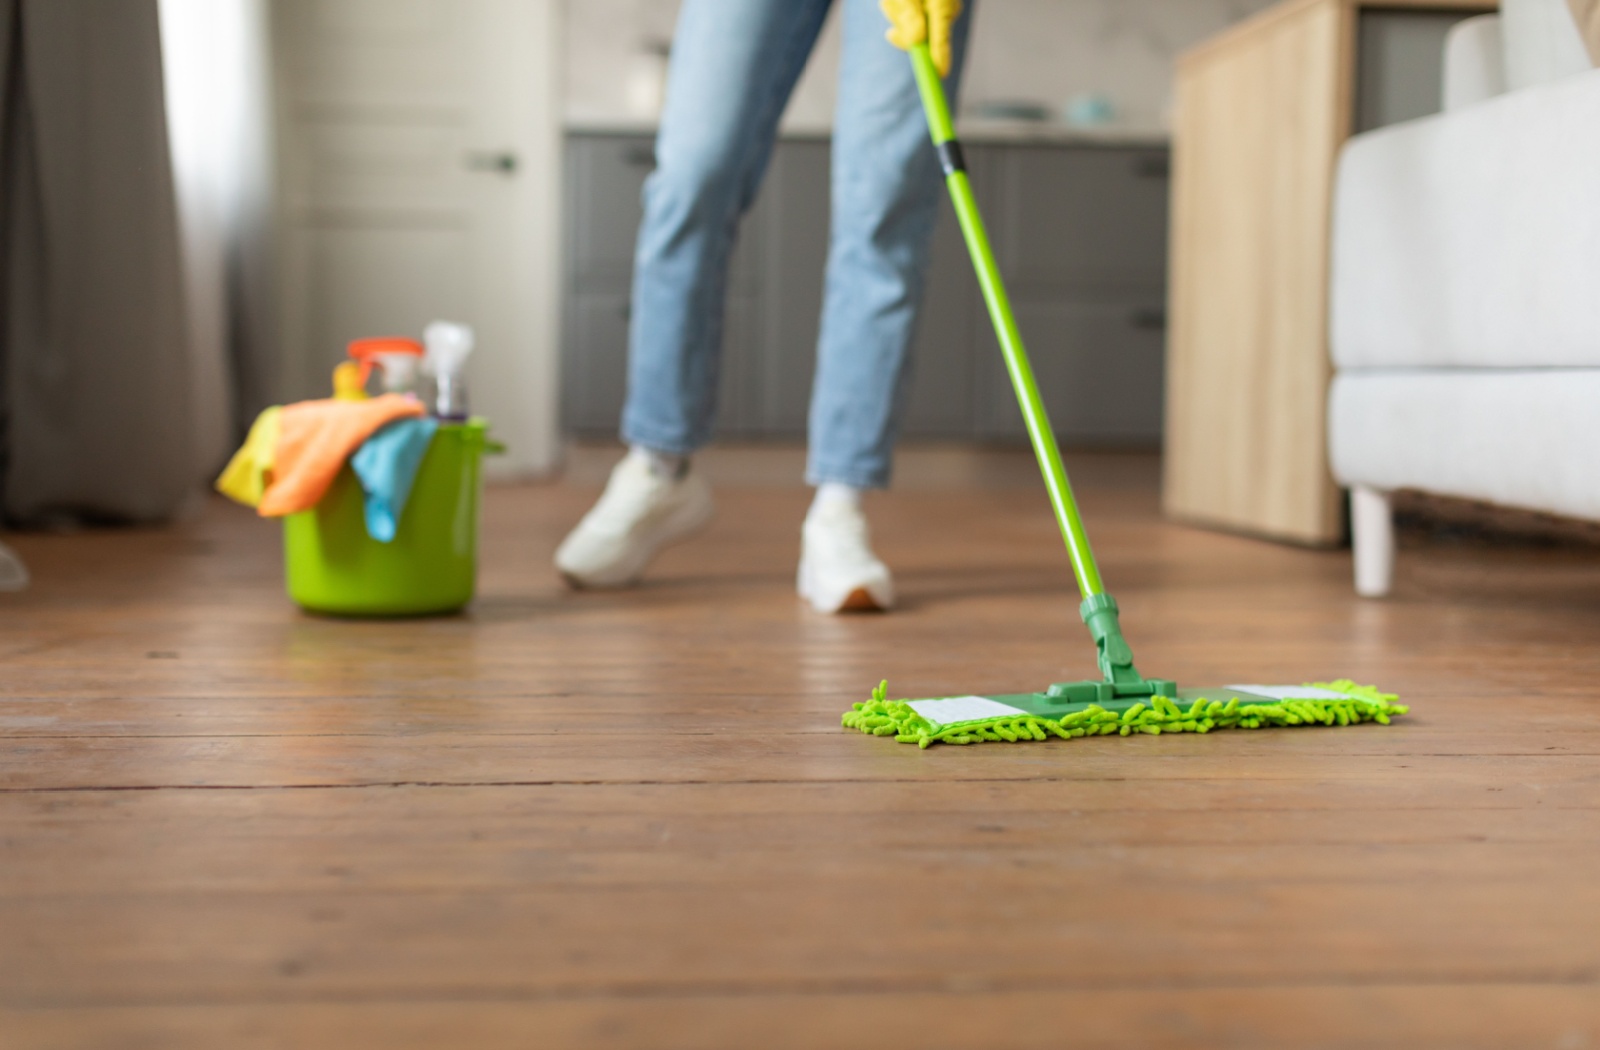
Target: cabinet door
{"x":606,"y":175}
{"x":1080,"y":234}
{"x":595,"y":362}
{"x":1085,"y":220}
{"x":1099,"y":366}
{"x":740,"y":375}
{"x":743,"y":350}
{"x":595,"y":373}
{"x":605,"y":180}
{"x":794,"y":202}
{"x":939,"y":402}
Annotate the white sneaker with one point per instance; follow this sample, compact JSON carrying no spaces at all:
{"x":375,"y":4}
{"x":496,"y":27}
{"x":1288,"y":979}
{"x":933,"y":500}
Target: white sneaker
{"x":640,"y":512}
{"x":838,"y":571}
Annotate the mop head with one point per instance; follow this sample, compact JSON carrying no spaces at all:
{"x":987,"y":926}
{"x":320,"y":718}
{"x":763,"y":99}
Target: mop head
{"x":881,"y":716}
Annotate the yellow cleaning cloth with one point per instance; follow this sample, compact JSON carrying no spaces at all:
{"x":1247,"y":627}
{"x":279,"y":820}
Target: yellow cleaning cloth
{"x":314,"y":440}
{"x":244,"y":479}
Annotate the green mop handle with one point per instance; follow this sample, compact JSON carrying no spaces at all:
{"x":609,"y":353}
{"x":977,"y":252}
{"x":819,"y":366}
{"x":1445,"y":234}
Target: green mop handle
{"x":1005,"y":325}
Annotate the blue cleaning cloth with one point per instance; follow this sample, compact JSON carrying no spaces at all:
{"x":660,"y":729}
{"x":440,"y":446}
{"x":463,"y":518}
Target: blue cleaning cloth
{"x":386,"y":464}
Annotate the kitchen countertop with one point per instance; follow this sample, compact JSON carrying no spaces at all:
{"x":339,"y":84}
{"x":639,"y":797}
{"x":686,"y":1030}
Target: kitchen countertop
{"x":999,"y":132}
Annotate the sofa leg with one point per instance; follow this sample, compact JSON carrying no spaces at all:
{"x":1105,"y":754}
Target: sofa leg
{"x":1372,"y":526}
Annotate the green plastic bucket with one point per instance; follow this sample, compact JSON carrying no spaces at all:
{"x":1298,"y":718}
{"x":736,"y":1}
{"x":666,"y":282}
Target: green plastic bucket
{"x":431,"y":566}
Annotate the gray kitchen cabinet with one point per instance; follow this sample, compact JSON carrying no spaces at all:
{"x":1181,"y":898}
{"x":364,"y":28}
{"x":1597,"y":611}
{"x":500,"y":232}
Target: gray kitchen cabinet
{"x":795,"y":197}
{"x":595,"y":328}
{"x":1080,"y":221}
{"x":940,"y":402}
{"x":739,"y":408}
{"x":1100,"y":365}
{"x":604,"y":178}
{"x":1080,"y":233}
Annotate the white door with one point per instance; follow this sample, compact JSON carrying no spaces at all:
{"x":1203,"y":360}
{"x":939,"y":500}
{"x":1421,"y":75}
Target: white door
{"x":419,"y":179}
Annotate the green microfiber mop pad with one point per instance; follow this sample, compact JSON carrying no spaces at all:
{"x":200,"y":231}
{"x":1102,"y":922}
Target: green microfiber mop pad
{"x":881,"y":716}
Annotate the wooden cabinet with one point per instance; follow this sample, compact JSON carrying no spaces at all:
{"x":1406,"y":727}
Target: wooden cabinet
{"x":1261,"y":114}
{"x":1080,"y":232}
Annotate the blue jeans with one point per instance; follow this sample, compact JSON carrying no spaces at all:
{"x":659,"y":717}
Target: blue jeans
{"x":734,"y":65}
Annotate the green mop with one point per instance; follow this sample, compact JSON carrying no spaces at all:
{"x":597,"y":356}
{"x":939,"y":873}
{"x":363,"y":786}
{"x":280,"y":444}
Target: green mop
{"x":1123,"y":701}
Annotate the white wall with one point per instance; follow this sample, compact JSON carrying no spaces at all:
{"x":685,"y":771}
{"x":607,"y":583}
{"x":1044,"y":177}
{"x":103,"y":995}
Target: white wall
{"x":1040,"y":50}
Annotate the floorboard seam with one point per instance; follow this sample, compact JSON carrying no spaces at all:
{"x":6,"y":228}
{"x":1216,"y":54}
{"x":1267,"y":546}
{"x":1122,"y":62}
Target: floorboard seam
{"x":849,"y":986}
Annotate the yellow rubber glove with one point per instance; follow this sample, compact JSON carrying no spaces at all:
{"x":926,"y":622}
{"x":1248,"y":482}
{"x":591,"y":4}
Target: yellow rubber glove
{"x":913,"y":22}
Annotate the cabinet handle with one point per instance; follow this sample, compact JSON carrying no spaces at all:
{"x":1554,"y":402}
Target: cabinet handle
{"x":1149,"y":318}
{"x":500,"y":162}
{"x":640,"y":156}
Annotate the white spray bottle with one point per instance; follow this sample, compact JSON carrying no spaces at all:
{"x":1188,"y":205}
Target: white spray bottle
{"x":448,"y":345}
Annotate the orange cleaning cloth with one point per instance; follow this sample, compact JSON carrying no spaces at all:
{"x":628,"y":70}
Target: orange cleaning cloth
{"x":314,"y":440}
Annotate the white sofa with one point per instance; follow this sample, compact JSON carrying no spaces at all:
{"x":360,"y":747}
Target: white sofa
{"x":1465,"y":322}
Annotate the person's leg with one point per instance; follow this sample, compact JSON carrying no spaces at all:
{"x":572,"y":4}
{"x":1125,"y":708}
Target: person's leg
{"x":886,"y":192}
{"x":734,"y":65}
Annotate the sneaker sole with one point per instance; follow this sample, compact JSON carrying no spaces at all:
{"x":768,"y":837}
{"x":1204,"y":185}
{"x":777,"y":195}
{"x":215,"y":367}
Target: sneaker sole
{"x":858,"y":600}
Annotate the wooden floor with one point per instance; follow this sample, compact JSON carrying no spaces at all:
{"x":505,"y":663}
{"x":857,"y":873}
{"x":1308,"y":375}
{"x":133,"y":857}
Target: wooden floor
{"x":632,"y":820}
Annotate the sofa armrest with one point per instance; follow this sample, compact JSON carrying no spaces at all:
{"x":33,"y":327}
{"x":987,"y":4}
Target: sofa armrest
{"x":1474,"y":62}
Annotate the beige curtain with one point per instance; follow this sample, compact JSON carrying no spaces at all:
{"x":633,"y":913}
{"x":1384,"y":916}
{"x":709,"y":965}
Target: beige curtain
{"x":1587,"y":15}
{"x":98,"y":379}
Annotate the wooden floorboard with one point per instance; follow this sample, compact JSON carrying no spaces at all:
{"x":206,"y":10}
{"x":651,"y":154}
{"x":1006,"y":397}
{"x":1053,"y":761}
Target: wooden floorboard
{"x":631,"y":820}
{"x":955,"y":1015}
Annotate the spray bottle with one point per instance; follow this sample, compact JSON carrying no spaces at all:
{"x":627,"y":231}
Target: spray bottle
{"x":448,"y":345}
